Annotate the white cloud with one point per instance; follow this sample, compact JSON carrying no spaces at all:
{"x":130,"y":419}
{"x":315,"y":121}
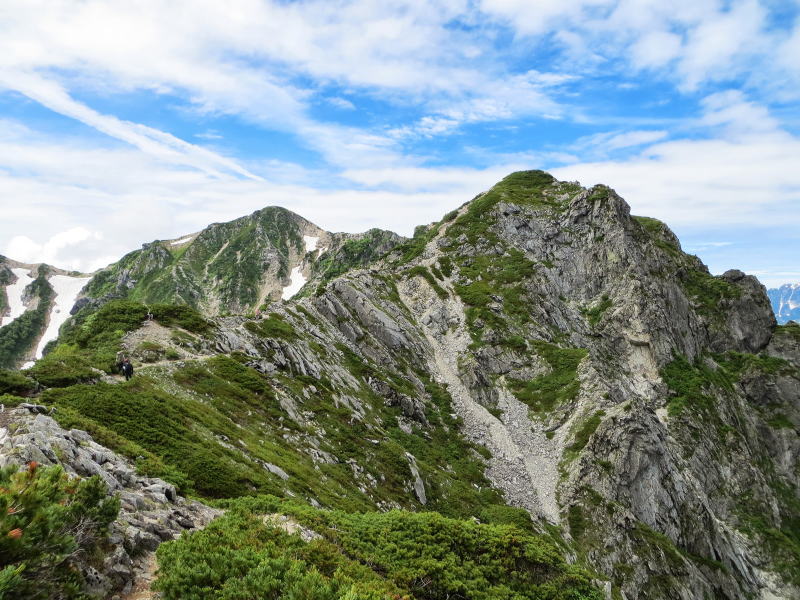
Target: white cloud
{"x":744,"y":172}
{"x":151,"y":141}
{"x":53,"y":250}
{"x":532,"y":18}
{"x":605,"y":143}
{"x":81,"y":207}
{"x":655,"y":49}
{"x":719,"y":46}
{"x":340,"y":103}
{"x":209,"y":135}
{"x":703,"y":246}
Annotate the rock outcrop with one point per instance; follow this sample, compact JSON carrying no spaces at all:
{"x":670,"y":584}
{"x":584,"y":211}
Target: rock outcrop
{"x":151,"y":511}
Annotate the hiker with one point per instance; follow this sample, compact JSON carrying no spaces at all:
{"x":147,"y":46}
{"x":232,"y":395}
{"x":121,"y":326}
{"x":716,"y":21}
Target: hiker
{"x":127,"y":369}
{"x":120,"y":361}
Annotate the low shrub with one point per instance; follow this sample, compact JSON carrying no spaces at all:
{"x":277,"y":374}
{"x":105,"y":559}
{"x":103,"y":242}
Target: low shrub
{"x":365,"y":555}
{"x":47,"y":520}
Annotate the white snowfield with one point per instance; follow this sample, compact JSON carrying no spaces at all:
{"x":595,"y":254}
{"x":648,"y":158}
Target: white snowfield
{"x":66,"y":289}
{"x":297,"y":281}
{"x":311,"y":242}
{"x":180,"y":241}
{"x":296,"y":278}
{"x":14,"y":293}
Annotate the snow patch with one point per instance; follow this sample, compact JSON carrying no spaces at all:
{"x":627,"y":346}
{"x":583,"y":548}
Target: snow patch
{"x":296,"y":282}
{"x":66,"y":289}
{"x":311,"y":242}
{"x":14,"y":293}
{"x":181,"y":241}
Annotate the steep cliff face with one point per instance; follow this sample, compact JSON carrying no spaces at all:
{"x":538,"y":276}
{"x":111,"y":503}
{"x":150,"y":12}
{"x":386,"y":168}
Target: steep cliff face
{"x":611,"y":377}
{"x":235,"y":267}
{"x":538,"y":347}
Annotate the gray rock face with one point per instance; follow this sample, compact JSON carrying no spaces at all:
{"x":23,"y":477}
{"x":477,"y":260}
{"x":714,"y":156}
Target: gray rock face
{"x":661,"y":502}
{"x":151,"y":510}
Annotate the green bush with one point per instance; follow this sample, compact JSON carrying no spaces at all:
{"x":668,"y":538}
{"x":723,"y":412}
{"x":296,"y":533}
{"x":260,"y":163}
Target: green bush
{"x":47,"y":520}
{"x":546,"y":392}
{"x":63,"y":367}
{"x":14,"y":382}
{"x":365,"y":555}
{"x":594,"y":314}
{"x":274,"y":326}
{"x":421,"y":271}
{"x":586,"y":430}
{"x":180,"y":315}
{"x":138,"y":413}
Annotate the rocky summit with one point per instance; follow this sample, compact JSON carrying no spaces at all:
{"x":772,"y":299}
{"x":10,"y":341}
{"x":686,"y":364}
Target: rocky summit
{"x":539,"y":396}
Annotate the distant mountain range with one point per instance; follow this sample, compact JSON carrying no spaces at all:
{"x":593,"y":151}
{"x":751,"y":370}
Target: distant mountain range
{"x":786,"y":302}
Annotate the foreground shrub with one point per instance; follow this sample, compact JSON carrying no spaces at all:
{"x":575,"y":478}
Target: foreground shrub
{"x":47,"y":521}
{"x":364,"y":555}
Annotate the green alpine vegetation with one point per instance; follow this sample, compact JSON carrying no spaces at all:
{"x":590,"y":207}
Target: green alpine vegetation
{"x":559,"y":386}
{"x":245,"y":554}
{"x":46,"y":520}
{"x":235,"y":267}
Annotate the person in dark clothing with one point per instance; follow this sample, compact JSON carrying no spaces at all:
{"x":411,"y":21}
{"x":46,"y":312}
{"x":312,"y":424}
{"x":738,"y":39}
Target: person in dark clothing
{"x":127,"y":369}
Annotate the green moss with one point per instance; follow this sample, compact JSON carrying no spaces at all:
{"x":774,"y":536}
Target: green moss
{"x":355,"y":252}
{"x":446,"y":266}
{"x":660,"y":235}
{"x":693,"y":384}
{"x":495,"y":279}
{"x":554,"y":389}
{"x":576,"y":519}
{"x":708,"y":292}
{"x":659,"y":543}
{"x":790,"y":330}
{"x":780,"y":421}
{"x":413,"y":248}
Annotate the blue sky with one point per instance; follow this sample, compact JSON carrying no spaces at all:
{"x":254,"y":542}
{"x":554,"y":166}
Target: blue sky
{"x":123,"y":122}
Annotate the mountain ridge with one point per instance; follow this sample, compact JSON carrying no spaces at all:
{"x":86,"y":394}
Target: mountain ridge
{"x":537,"y":349}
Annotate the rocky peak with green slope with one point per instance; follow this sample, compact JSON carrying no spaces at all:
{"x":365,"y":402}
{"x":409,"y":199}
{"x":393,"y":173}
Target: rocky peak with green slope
{"x":236,"y":267}
{"x":538,"y":360}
